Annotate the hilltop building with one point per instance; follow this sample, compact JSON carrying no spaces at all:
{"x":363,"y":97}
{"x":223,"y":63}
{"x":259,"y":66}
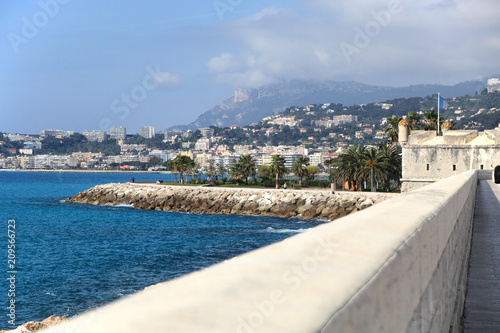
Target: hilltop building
{"x":118,"y":133}
{"x":343,"y":119}
{"x":148,"y":132}
{"x":56,"y":133}
{"x":98,"y":136}
{"x":428,"y":157}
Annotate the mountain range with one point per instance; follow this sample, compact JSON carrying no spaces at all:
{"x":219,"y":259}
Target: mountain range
{"x":249,"y":106}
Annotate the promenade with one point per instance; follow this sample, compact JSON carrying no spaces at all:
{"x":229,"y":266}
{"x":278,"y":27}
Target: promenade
{"x":482,"y":303}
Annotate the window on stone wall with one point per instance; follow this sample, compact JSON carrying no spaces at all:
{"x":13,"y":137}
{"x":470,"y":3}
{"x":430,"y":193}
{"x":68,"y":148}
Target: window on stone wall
{"x":482,"y":166}
{"x":454,"y":167}
{"x":428,"y":167}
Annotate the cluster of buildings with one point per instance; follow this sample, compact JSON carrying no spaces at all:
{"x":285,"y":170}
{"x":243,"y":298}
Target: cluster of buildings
{"x":217,"y":156}
{"x":206,"y":151}
{"x":117,"y":133}
{"x":327,"y":122}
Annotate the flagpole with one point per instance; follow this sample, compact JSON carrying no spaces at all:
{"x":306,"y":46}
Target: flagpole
{"x":439,"y":102}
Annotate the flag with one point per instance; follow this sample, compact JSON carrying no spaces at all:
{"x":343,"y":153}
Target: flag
{"x":443,"y":104}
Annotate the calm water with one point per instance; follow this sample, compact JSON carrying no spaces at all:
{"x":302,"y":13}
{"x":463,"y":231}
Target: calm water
{"x":73,"y":257}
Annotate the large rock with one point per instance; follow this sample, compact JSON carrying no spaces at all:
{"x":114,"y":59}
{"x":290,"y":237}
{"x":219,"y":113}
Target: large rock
{"x":35,"y":326}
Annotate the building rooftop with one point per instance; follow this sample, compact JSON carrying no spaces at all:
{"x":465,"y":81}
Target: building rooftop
{"x":455,"y":138}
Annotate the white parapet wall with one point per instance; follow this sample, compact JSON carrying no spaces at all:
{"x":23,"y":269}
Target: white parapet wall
{"x":398,"y":266}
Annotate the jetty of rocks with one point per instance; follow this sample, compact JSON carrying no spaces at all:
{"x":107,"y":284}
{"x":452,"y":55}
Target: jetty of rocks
{"x":307,"y":204}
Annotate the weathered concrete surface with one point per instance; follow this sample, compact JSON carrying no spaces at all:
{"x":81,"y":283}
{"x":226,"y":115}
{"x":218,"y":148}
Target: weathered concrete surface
{"x":397,"y":266}
{"x":201,"y":200}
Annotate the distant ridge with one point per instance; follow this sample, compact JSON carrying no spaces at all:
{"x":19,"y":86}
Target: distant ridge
{"x":249,"y":106}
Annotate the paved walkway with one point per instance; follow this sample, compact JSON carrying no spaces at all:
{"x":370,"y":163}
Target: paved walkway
{"x":482,"y":303}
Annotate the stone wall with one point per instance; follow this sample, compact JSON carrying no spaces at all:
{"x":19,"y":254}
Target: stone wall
{"x":203,"y":200}
{"x":399,"y":266}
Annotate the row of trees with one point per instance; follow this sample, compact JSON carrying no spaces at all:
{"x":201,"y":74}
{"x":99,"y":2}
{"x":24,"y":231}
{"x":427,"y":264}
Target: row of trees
{"x":359,"y":164}
{"x":380,"y":165}
{"x":245,"y":168}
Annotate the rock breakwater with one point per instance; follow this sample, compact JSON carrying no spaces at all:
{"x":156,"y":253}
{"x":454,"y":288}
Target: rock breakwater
{"x":308,"y":204}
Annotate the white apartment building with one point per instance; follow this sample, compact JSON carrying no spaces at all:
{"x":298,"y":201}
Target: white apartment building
{"x":202,"y":144}
{"x":119,"y":133}
{"x":148,"y":132}
{"x":56,"y":133}
{"x":315,"y":159}
{"x":98,"y":136}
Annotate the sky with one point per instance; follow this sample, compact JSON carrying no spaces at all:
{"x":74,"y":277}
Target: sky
{"x":89,"y":65}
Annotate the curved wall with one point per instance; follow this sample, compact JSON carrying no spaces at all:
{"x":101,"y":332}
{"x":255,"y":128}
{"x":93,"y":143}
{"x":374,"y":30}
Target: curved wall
{"x":400,"y":265}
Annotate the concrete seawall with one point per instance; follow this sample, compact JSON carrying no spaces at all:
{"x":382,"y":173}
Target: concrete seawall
{"x":202,"y":200}
{"x":399,"y":266}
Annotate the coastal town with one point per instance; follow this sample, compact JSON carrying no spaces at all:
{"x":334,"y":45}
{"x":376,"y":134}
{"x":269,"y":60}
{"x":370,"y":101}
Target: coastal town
{"x":319,"y":132}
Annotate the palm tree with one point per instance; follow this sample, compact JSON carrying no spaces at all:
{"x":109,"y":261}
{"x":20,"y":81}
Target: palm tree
{"x":299,"y":168}
{"x":392,"y":129}
{"x":430,"y":120}
{"x":211,"y":169}
{"x":349,"y":166}
{"x":180,"y":164}
{"x":392,"y":165}
{"x":278,"y":167}
{"x":329,"y":165}
{"x":374,"y":167}
{"x":237,"y":172}
{"x":358,"y":163}
{"x":414,"y":120}
{"x":247,"y":166}
{"x":221,"y":170}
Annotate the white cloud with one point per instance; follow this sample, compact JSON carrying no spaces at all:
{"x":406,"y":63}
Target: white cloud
{"x":392,"y":42}
{"x":166,"y":79}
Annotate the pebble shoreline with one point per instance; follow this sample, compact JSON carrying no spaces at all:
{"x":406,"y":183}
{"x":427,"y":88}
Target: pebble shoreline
{"x":307,"y":204}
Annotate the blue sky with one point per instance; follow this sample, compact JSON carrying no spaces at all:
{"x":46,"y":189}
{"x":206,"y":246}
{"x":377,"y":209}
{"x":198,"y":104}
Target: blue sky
{"x":88,"y":65}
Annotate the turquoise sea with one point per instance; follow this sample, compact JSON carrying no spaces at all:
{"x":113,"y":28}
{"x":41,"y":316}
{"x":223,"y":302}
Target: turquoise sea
{"x":69,"y":258}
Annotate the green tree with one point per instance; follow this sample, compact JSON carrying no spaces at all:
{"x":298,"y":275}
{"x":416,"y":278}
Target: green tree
{"x":392,"y":129}
{"x":430,"y":120}
{"x":312,"y":171}
{"x":247,"y":166}
{"x":329,"y":165}
{"x":299,"y":168}
{"x":278,"y":167}
{"x":221,"y":170}
{"x":349,"y":166}
{"x":237,"y":172}
{"x":265,"y":171}
{"x":181,"y":164}
{"x":414,"y":120}
{"x":392,"y":164}
{"x":374,"y":168}
{"x":211,"y":169}
{"x":155,"y":161}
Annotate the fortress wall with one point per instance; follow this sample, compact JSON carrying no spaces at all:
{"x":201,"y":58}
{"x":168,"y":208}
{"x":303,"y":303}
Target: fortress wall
{"x":400,"y":265}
